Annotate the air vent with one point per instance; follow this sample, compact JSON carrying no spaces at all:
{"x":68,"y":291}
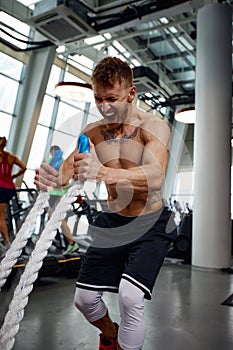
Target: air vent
{"x":61,"y":22}
{"x":145,"y":80}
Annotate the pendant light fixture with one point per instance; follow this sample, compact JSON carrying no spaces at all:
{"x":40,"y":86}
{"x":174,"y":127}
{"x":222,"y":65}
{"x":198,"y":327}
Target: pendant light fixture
{"x":81,"y":92}
{"x":186,"y":115}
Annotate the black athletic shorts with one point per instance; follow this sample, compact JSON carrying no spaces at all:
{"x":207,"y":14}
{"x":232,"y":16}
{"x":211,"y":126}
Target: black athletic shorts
{"x":6,"y":194}
{"x":132,"y":248}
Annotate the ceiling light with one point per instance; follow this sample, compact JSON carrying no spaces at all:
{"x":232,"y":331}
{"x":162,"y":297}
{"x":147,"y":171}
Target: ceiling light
{"x":148,"y":94}
{"x":186,"y":115}
{"x":61,"y":49}
{"x":81,"y":92}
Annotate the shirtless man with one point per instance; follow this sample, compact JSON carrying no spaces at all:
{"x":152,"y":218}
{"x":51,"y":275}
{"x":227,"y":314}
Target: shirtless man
{"x":129,"y":153}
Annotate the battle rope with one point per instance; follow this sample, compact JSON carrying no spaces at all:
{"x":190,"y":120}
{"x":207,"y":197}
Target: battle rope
{"x":20,"y":298}
{"x":20,"y":241}
{"x":21,"y":293}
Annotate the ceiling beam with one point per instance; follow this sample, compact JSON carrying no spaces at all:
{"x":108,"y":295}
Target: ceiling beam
{"x":15,"y":9}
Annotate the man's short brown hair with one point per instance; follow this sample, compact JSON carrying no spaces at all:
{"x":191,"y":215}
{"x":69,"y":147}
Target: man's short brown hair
{"x":111,"y":70}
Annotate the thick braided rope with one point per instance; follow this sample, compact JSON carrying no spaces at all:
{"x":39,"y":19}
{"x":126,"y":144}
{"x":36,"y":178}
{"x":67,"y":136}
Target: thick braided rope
{"x":22,"y":236}
{"x":19,"y":301}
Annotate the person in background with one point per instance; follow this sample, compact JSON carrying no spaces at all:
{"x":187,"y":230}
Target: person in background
{"x":178,"y":210}
{"x":7,"y":185}
{"x":188,"y":209}
{"x":129,"y":153}
{"x":55,"y":196}
{"x":177,"y":207}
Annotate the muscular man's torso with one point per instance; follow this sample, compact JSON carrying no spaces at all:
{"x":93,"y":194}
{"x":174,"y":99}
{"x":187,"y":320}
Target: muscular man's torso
{"x":123,"y":148}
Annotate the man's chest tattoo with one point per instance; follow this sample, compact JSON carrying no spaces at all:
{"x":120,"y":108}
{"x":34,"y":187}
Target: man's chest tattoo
{"x":110,"y":136}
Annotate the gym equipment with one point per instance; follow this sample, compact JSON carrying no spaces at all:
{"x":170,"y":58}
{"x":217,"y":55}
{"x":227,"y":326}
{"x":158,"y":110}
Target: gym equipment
{"x":19,"y":301}
{"x":83,"y":144}
{"x":57,"y":160}
{"x":20,"y":240}
{"x":182,"y":246}
{"x":18,"y":208}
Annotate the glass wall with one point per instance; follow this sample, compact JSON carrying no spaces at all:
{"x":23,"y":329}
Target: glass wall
{"x":59,"y":123}
{"x":10,"y":72}
{"x":183,"y":189}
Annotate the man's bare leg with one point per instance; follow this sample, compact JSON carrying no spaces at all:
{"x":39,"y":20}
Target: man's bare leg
{"x":106,"y":326}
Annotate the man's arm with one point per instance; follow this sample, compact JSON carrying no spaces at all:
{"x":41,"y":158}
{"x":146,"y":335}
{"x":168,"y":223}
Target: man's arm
{"x":47,"y":177}
{"x":147,"y":176}
{"x":66,"y":170}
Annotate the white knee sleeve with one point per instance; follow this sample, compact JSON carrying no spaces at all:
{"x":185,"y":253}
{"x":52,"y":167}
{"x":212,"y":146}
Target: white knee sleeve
{"x":132,"y":328}
{"x":90,"y":304}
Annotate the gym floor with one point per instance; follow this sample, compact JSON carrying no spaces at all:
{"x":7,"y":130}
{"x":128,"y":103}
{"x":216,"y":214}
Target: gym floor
{"x":184,"y":314}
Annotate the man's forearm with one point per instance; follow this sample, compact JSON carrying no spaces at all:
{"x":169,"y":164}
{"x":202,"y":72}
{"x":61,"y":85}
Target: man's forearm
{"x":66,"y":172}
{"x":141,"y":179}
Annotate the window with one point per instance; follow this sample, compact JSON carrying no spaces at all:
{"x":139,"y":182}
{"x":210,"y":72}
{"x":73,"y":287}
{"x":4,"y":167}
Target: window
{"x":9,"y":82}
{"x":10,"y":66}
{"x":5,"y":122}
{"x":183,"y":188}
{"x":46,"y":111}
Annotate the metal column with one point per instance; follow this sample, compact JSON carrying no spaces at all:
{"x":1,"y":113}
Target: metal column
{"x":30,"y":101}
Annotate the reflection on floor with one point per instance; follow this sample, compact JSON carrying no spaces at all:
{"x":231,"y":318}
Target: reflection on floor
{"x":184,"y":314}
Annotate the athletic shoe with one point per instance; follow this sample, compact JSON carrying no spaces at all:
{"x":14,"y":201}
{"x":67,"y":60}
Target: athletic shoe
{"x":75,"y":247}
{"x":71,"y":248}
{"x":106,"y":344}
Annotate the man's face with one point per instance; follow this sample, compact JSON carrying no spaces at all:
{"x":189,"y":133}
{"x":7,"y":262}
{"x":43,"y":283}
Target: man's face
{"x":113,"y":102}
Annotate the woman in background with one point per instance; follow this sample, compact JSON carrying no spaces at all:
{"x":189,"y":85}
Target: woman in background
{"x":7,"y":185}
